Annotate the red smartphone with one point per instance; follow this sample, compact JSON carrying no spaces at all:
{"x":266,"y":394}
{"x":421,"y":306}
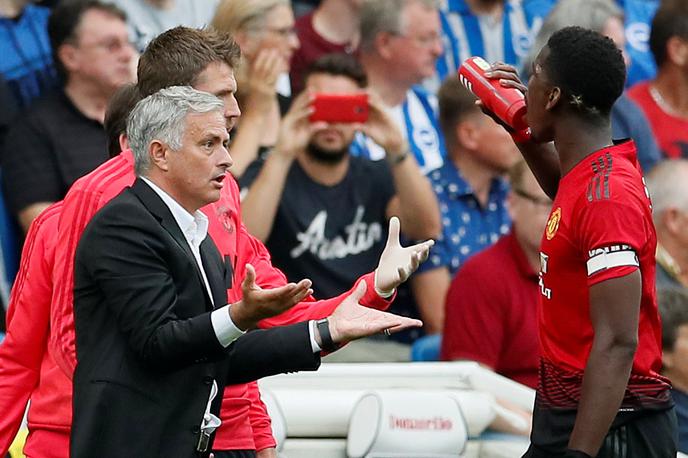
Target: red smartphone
{"x":344,"y":108}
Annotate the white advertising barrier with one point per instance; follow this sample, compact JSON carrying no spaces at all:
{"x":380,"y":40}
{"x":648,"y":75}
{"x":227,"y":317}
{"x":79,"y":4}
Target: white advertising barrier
{"x":464,"y":375}
{"x":326,"y":413}
{"x":403,"y":423}
{"x":378,"y":375}
{"x":479,"y":409}
{"x":279,"y":425}
{"x":316,"y":413}
{"x":485,"y":380}
{"x":336,"y":448}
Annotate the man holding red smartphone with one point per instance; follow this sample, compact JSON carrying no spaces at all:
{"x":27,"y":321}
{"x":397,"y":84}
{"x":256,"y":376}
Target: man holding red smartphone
{"x":320,"y":211}
{"x":342,"y":108}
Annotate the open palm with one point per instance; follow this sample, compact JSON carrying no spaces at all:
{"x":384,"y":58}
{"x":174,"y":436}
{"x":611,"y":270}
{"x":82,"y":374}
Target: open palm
{"x":397,"y":263}
{"x":351,"y":320}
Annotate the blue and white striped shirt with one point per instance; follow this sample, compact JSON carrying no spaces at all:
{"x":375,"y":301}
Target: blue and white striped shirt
{"x":417,"y":118}
{"x":466,"y":35}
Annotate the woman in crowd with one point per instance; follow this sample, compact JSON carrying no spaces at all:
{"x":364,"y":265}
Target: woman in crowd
{"x":265,"y":32}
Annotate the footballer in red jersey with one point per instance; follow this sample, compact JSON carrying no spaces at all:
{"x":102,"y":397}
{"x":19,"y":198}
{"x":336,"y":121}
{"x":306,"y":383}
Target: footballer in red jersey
{"x":599,"y":393}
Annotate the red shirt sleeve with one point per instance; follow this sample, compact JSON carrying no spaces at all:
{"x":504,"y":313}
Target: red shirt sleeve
{"x":253,"y":252}
{"x":473,"y":325}
{"x":23,"y":349}
{"x":260,"y":420}
{"x":610,"y":235}
{"x":311,"y":309}
{"x":79,"y":207}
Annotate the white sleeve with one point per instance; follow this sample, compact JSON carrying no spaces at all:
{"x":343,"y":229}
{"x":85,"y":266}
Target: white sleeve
{"x":311,"y":333}
{"x":225,"y":329}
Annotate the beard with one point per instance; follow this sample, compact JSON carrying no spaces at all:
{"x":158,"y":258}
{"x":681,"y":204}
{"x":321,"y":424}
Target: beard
{"x":326,"y":156}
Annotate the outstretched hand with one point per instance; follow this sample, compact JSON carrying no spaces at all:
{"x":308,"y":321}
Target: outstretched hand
{"x":258,"y":303}
{"x":351,"y":320}
{"x":397,"y":263}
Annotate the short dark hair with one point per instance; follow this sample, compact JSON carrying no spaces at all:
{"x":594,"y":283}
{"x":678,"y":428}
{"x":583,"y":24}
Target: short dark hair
{"x":673,"y":309}
{"x":588,"y":67}
{"x":671,"y":20}
{"x":66,"y":18}
{"x":338,"y":64}
{"x":176,"y":57}
{"x":455,"y":102}
{"x":119,"y":107}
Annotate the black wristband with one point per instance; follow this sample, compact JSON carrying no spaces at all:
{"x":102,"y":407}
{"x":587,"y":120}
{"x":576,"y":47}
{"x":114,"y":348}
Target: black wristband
{"x":325,"y":337}
{"x":576,"y":454}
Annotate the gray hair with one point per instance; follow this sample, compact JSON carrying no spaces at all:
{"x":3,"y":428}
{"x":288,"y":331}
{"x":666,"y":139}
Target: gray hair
{"x":384,"y":16}
{"x":161,"y":116}
{"x":667,"y":184}
{"x":589,"y":14}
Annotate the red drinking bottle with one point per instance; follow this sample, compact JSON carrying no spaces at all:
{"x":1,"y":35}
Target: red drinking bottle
{"x":507,"y":103}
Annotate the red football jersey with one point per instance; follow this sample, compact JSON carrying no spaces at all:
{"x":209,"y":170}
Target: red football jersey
{"x":600,"y":228}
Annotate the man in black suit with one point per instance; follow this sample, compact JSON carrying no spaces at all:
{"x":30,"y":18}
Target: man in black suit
{"x":152,"y":360}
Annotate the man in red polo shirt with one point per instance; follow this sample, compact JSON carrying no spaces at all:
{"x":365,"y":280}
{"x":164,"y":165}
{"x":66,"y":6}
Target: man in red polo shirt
{"x":491,"y":306}
{"x":600,"y":392}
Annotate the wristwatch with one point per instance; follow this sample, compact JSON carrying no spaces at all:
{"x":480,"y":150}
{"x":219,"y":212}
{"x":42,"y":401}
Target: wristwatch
{"x":325,"y":337}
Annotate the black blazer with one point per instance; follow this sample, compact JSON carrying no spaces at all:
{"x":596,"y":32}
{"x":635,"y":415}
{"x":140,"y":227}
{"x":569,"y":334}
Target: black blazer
{"x":146,"y":349}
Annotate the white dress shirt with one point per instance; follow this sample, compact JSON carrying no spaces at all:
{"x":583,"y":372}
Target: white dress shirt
{"x":195,"y":229}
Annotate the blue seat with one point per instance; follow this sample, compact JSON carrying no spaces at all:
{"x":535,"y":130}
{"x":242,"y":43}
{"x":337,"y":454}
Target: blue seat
{"x":427,"y":348}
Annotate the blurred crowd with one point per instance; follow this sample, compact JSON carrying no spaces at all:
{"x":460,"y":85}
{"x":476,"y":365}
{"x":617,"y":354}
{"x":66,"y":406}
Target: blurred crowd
{"x":320,"y":195}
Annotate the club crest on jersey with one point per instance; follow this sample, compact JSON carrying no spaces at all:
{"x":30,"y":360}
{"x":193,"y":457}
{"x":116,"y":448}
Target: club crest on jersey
{"x":225,"y":215}
{"x":553,"y":224}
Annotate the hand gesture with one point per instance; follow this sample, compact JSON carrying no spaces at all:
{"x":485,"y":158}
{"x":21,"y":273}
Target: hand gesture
{"x":295,"y":129}
{"x":397,"y":263}
{"x":258,"y":303}
{"x":262,"y":78}
{"x":351,"y":320}
{"x":381,"y":127}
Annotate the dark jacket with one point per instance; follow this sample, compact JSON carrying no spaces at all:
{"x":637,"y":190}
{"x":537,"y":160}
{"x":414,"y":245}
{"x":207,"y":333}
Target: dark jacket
{"x":147,"y":353}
